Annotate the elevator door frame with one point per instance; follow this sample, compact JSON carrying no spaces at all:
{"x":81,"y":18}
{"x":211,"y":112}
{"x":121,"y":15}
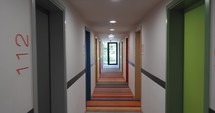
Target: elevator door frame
{"x":175,"y":54}
{"x":58,"y":88}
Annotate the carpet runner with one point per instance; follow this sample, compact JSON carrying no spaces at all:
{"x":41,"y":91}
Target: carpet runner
{"x":112,"y":95}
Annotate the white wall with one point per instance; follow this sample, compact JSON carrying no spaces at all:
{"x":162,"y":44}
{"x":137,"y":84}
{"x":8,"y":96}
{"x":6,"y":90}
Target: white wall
{"x":120,"y":55}
{"x":98,"y":64}
{"x":75,"y":59}
{"x":131,"y":47}
{"x":212,"y":82}
{"x":75,"y":101}
{"x":93,"y":71}
{"x":124,"y":58}
{"x":153,"y":96}
{"x":154,"y":42}
{"x":93,"y":78}
{"x":75,"y":42}
{"x":131,"y":80}
{"x":131,"y":57}
{"x":16,"y":91}
{"x":154,"y":29}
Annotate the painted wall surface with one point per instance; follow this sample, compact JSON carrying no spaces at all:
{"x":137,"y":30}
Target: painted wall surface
{"x":124,"y":58}
{"x":119,"y":55}
{"x":131,"y":80}
{"x":131,"y":57}
{"x":76,"y":100}
{"x":212,"y":79}
{"x":131,"y":48}
{"x":75,"y":59}
{"x":154,"y":41}
{"x":120,"y":52}
{"x":98,"y":58}
{"x":194,"y":34}
{"x":93,"y":78}
{"x":16,"y":84}
{"x":154,"y":58}
{"x":75,"y":42}
{"x":153,"y":96}
{"x":93,"y":72}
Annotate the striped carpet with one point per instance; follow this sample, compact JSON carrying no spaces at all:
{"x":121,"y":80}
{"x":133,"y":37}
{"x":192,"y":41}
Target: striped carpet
{"x":111,"y":77}
{"x":112,"y":85}
{"x":112,"y":95}
{"x":113,"y":103}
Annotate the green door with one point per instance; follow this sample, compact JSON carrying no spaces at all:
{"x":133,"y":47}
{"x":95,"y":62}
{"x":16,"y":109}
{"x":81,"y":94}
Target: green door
{"x":194,"y":60}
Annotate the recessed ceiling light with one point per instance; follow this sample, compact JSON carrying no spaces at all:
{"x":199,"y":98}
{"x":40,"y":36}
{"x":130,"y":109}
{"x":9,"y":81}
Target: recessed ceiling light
{"x":112,"y":21}
{"x":112,"y":29}
{"x":111,"y":36}
{"x":115,"y":0}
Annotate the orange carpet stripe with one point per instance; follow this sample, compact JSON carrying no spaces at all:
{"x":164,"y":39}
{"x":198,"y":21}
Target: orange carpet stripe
{"x":113,"y":103}
{"x":114,"y":109}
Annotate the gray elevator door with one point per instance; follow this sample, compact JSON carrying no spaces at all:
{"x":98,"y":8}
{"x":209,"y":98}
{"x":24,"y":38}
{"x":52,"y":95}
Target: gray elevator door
{"x":43,"y":61}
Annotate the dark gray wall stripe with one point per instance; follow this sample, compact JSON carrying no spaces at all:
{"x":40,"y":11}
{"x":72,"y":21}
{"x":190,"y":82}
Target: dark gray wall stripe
{"x":211,"y":111}
{"x":74,"y":79}
{"x":152,"y":77}
{"x":31,"y":111}
{"x":131,"y":63}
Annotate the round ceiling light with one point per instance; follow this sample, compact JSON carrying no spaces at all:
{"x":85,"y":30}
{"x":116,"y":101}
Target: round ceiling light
{"x":112,"y":21}
{"x":115,"y":0}
{"x":112,"y":29}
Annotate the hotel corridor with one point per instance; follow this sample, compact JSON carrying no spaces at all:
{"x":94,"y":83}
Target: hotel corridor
{"x":112,"y":94}
{"x":107,"y":56}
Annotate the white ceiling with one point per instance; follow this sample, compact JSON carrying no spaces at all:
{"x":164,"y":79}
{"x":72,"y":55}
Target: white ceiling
{"x":127,"y":13}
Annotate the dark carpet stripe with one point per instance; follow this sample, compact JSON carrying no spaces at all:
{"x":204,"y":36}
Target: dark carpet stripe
{"x":211,"y":110}
{"x":74,"y":79}
{"x":31,"y":111}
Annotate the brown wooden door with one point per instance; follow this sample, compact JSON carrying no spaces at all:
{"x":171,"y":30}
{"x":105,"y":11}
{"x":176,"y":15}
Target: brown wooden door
{"x":138,"y":65}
